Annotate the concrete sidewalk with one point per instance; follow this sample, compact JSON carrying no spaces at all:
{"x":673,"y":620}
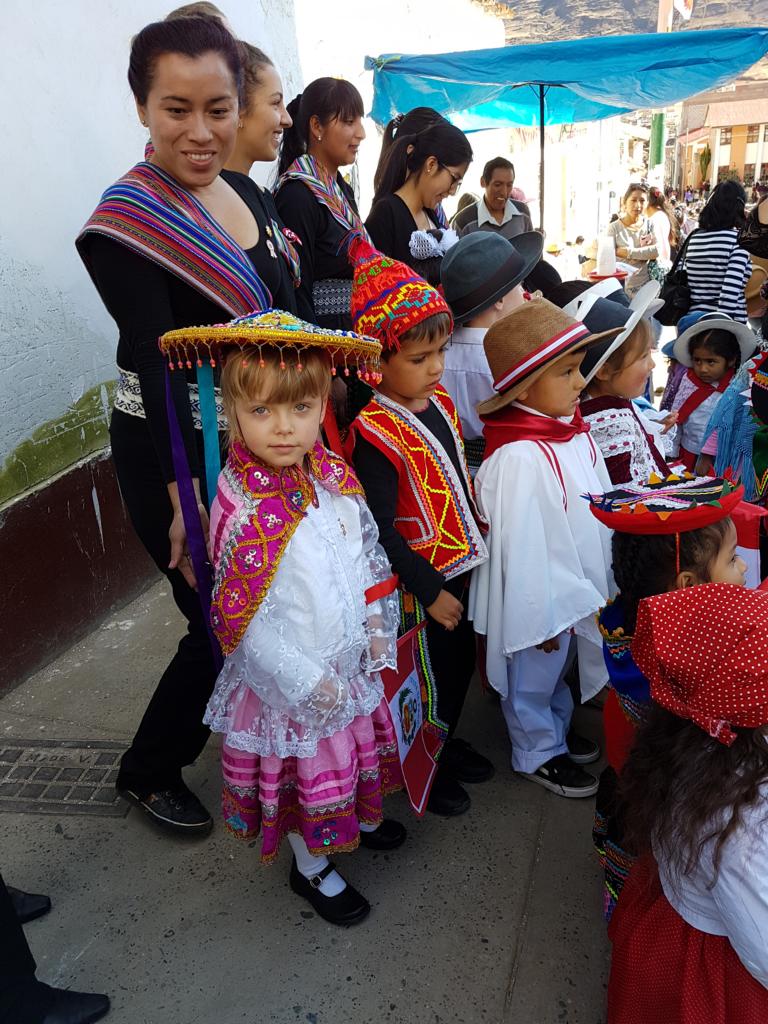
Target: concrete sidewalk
{"x":490,"y":917}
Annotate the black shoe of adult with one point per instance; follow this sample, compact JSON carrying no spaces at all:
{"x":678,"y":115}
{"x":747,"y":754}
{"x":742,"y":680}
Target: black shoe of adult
{"x":462,"y":761}
{"x":28,"y":905}
{"x":176,"y":810}
{"x":388,"y":836}
{"x":348,"y":907}
{"x":447,"y":797}
{"x":75,"y":1007}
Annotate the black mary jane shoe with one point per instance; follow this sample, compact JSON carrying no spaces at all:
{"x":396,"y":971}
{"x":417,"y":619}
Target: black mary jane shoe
{"x":28,"y":906}
{"x":349,"y":907}
{"x":463,"y":763}
{"x":175,"y":810}
{"x":388,"y":836}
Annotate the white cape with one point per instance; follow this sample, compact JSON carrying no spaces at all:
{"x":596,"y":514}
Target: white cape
{"x":549,"y":559}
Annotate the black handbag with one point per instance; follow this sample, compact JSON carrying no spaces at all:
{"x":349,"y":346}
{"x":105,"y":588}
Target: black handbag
{"x":675,"y":292}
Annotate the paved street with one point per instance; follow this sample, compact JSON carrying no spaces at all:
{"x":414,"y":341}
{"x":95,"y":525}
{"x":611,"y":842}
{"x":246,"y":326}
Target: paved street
{"x":492,"y":917}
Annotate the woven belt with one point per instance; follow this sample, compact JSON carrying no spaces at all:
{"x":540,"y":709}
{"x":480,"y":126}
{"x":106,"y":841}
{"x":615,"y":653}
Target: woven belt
{"x":128,"y":400}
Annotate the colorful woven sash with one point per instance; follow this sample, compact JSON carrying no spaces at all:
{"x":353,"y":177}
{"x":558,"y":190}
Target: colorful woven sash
{"x":148,"y":211}
{"x":326,"y":191}
{"x":256,"y":512}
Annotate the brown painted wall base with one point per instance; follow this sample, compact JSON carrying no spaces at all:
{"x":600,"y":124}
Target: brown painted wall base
{"x":68,"y":557}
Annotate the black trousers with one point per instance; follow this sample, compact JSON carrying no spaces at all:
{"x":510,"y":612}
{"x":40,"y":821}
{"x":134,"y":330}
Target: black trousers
{"x":453,"y":656}
{"x":171,"y":733}
{"x":20,"y":999}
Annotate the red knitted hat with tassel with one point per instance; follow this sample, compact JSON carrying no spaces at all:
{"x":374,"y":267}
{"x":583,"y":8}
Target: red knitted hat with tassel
{"x":388,"y":298}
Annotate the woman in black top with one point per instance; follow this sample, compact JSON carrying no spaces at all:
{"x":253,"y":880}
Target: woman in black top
{"x":421,"y":170}
{"x":313,"y":199}
{"x":219,"y":256}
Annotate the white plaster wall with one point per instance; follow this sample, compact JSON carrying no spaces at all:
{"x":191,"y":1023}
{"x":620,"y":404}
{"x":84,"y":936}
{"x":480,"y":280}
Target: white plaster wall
{"x":335,"y":36}
{"x":70,"y":129}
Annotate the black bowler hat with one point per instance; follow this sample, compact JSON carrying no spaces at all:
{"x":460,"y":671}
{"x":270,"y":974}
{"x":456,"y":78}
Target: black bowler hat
{"x":483,"y":266}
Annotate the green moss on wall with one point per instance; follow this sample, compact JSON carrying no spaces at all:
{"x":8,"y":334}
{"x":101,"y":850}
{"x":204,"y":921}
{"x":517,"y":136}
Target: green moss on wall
{"x":82,"y":430}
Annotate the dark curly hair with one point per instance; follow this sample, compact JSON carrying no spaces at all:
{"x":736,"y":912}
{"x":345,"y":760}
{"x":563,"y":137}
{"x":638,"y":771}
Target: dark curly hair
{"x":644,"y":565}
{"x":684,"y":788}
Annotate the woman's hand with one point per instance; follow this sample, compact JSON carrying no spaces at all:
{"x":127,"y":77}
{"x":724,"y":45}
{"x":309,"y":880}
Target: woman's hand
{"x":177,"y":534}
{"x":622,"y":252}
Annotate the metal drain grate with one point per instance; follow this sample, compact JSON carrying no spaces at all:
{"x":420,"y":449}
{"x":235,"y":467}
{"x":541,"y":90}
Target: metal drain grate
{"x":60,"y":777}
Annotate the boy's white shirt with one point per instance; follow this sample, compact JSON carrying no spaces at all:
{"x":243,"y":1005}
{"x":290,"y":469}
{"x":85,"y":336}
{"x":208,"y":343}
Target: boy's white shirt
{"x":549,"y":559}
{"x":467,"y":377}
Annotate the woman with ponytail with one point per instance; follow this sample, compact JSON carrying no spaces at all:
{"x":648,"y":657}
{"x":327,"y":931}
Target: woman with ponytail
{"x":415,"y":121}
{"x":421,"y":169}
{"x":313,"y":199}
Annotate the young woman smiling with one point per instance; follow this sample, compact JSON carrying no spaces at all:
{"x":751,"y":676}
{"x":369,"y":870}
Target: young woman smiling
{"x":176,"y":242}
{"x":421,"y":170}
{"x":312,"y":197}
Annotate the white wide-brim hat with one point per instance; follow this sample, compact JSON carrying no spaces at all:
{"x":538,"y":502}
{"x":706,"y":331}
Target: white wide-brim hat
{"x":644,"y":304}
{"x":744,"y":335}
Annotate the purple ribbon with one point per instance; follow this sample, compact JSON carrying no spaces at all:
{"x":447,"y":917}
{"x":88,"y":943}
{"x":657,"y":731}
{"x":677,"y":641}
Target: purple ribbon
{"x":198,"y":550}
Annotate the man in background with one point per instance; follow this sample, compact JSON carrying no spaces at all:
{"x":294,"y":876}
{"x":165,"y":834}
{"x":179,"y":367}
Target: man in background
{"x":496,"y":210}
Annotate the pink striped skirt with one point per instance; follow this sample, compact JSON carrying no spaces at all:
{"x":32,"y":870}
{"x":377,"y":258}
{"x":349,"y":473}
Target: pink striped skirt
{"x":323,"y":798}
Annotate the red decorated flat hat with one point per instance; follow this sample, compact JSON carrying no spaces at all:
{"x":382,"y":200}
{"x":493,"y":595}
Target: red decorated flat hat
{"x":388,"y":297}
{"x":704,"y":651}
{"x":669,"y":506}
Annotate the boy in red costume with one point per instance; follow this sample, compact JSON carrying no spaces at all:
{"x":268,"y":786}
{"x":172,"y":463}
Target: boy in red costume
{"x":409,"y":454}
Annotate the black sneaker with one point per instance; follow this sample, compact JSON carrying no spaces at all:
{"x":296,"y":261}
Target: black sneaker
{"x":563,"y":777}
{"x":176,"y":810}
{"x":581,"y":750}
{"x":460,"y":760}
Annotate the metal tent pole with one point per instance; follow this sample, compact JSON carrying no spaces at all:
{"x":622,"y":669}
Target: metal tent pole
{"x":541,"y":156}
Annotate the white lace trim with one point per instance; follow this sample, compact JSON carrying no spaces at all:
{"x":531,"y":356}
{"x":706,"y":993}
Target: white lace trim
{"x":616,"y":432}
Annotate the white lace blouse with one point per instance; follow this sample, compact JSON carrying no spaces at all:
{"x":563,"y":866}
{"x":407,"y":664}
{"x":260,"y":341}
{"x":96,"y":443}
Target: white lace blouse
{"x":314,"y":648}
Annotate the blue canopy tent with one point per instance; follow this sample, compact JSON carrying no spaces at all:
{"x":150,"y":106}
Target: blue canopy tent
{"x":562,"y":82}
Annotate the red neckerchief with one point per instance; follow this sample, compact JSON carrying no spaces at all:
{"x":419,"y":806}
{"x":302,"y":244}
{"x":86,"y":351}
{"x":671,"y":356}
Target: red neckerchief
{"x":514,"y":424}
{"x":701,"y":394}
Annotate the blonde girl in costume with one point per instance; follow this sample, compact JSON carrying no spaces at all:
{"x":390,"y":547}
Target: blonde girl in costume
{"x":305,"y":611}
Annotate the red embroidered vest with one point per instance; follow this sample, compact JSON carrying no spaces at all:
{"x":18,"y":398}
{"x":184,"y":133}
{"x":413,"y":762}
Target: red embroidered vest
{"x":433,"y":514}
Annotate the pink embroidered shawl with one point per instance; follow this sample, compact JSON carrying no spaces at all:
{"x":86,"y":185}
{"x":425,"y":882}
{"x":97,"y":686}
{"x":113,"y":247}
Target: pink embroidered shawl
{"x":255,"y":514}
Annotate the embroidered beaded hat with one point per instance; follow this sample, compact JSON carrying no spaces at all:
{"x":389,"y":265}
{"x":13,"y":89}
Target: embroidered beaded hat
{"x":743,"y":334}
{"x":523,"y":345}
{"x":670,"y":506}
{"x":704,"y":651}
{"x":388,"y":298}
{"x":273,"y":328}
{"x":483,"y":266}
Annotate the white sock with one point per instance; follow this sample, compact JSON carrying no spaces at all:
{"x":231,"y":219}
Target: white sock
{"x":309,"y":866}
{"x":364,"y":826}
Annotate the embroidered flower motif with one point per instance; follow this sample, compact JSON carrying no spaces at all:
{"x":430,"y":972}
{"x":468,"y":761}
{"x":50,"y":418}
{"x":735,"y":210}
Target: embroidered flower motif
{"x":326,"y":834}
{"x":234,"y":598}
{"x":272,"y":520}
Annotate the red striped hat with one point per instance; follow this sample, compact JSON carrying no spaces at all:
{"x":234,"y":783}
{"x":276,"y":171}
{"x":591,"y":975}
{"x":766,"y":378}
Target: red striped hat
{"x":522,"y":346}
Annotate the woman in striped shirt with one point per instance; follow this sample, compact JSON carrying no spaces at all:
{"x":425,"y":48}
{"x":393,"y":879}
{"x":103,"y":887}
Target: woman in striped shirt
{"x":718,"y":268}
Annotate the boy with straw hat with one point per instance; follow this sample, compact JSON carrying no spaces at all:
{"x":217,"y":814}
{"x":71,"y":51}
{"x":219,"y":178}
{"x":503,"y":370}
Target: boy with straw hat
{"x":548,"y":571}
